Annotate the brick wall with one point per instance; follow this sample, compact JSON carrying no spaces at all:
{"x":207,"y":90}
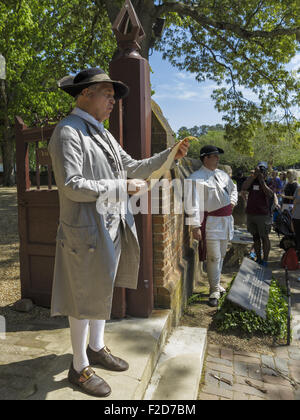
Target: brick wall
{"x":175,"y":260}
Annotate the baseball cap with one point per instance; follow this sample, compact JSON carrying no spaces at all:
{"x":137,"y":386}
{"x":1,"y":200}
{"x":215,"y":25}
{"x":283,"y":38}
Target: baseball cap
{"x":264,"y":164}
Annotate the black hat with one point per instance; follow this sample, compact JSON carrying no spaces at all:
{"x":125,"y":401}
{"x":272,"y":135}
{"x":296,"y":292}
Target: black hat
{"x":210,"y":150}
{"x":73,"y":85}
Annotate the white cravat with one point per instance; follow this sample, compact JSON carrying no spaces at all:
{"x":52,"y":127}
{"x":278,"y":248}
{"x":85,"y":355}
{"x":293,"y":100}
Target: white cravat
{"x":88,"y":117}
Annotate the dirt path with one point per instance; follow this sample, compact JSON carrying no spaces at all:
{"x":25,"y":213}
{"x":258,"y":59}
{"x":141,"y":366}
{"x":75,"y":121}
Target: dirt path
{"x":9,"y":247}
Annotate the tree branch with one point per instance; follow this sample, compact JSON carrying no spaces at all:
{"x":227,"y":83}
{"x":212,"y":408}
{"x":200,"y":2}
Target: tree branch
{"x":189,"y":11}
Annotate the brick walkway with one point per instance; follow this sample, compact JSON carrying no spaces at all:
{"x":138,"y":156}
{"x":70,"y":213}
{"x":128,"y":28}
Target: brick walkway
{"x":254,"y":376}
{"x":235,"y":375}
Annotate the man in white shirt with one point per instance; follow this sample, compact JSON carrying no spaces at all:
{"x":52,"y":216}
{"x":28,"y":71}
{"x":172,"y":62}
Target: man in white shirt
{"x":214,"y":196}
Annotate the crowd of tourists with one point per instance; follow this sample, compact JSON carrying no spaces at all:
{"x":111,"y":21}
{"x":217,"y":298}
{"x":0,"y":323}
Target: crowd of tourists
{"x":268,"y":196}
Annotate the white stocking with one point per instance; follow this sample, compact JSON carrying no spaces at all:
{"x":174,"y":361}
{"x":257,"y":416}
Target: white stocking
{"x":79,"y":329}
{"x":97,"y":334}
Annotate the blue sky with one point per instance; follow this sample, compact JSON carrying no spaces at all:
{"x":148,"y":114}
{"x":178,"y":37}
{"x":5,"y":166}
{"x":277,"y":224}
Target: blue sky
{"x":183,"y":100}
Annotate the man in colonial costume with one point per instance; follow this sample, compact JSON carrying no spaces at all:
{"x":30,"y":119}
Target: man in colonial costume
{"x":215,"y":196}
{"x":97,"y":246}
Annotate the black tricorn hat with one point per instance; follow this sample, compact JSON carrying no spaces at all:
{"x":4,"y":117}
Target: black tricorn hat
{"x":73,"y":85}
{"x":210,"y":150}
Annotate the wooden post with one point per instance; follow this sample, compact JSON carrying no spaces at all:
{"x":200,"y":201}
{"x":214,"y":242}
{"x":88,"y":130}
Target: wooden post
{"x":134,"y":70}
{"x":23,"y":184}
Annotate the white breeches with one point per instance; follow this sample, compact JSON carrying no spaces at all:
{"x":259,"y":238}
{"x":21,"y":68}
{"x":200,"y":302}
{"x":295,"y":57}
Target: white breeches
{"x":216,"y":251}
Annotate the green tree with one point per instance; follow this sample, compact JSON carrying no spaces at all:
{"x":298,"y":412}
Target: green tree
{"x":271,"y":143}
{"x":274,"y":145}
{"x":197,"y":131}
{"x":42,"y":41}
{"x":236,"y":43}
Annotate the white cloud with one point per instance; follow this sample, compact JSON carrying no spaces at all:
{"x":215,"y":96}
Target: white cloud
{"x":177,"y":91}
{"x":183,"y":87}
{"x":185,"y":76}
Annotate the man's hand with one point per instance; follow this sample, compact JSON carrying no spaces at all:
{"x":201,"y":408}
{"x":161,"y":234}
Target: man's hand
{"x":183,"y":149}
{"x":197,"y":234}
{"x":135,"y":186}
{"x":260,"y":178}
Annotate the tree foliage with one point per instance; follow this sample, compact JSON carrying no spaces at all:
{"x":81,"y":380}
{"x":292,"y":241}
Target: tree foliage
{"x":242,"y":45}
{"x":42,"y":41}
{"x":271,"y":143}
{"x":198,"y":131}
{"x":239,"y":45}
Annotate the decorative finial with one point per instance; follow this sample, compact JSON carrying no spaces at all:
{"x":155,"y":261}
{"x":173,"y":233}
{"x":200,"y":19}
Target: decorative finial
{"x":128,"y":29}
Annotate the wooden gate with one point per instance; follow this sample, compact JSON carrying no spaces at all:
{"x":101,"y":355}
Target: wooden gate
{"x":38,"y":212}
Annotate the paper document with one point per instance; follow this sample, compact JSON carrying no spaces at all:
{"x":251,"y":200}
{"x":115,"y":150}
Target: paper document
{"x":156,"y":175}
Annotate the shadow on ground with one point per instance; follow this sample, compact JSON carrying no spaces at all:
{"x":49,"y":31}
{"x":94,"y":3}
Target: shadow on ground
{"x":25,"y":384}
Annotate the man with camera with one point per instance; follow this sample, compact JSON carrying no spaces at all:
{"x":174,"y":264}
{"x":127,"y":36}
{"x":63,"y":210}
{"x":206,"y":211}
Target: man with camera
{"x":259,"y":219}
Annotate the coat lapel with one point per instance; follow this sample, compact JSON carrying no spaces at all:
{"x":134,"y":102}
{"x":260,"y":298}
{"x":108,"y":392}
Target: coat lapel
{"x":99,"y":140}
{"x":113,"y":144}
{"x":96,"y":136}
{"x":102,"y":143}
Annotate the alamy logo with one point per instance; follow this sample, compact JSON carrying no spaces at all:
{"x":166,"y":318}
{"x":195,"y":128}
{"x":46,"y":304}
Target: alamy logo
{"x":188,"y":199}
{"x":2,"y":328}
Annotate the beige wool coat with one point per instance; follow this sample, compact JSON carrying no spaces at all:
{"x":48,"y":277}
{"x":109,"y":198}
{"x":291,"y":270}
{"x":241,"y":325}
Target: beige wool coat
{"x":85,"y":262}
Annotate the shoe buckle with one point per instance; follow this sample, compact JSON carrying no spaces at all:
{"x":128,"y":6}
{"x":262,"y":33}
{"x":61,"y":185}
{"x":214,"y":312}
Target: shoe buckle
{"x":87,"y":373}
{"x":107,"y":350}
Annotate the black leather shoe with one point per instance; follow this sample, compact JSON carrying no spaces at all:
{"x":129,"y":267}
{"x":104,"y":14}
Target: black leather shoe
{"x":213,"y":302}
{"x":89,"y":382}
{"x":105,"y":359}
